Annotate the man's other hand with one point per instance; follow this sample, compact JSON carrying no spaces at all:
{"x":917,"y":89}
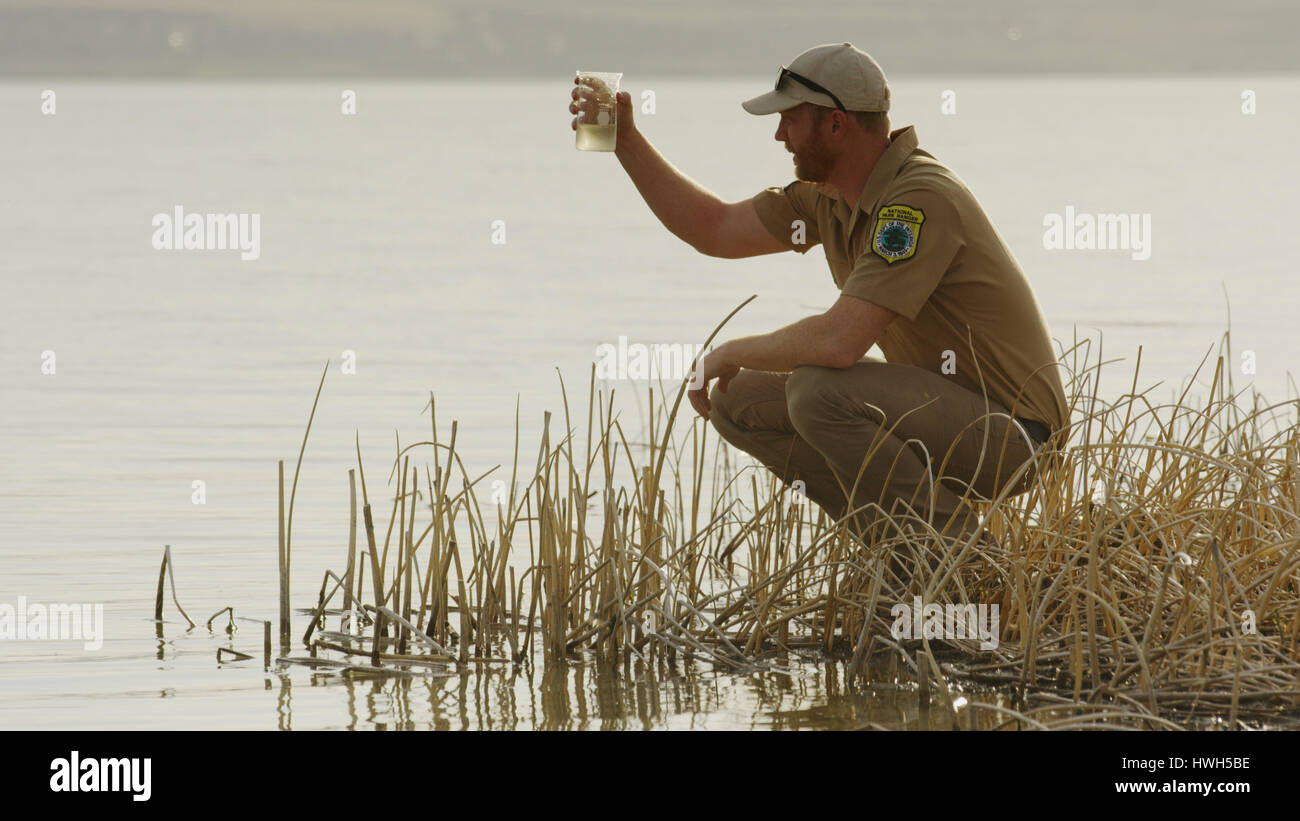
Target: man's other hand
{"x":713,"y":365}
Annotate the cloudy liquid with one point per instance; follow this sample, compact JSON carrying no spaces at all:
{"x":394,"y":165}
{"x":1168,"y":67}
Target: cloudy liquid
{"x":596,"y":137}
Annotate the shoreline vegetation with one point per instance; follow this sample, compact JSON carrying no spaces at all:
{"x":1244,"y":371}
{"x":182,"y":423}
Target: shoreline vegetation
{"x":1149,"y":578}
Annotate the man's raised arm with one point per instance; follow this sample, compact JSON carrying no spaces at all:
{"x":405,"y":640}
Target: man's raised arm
{"x":696,"y":215}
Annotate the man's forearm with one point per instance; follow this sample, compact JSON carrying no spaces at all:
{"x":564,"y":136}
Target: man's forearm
{"x":688,"y":210}
{"x":806,"y":342}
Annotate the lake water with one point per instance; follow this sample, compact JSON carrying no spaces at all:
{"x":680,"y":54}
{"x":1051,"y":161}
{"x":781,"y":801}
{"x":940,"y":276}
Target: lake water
{"x":377,"y":238}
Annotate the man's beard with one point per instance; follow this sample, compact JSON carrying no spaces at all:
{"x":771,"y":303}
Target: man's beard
{"x":813,"y":162}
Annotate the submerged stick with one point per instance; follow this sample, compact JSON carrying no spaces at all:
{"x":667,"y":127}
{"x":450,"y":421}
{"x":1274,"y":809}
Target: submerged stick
{"x":227,"y":609}
{"x":414,"y":631}
{"x":322,"y":600}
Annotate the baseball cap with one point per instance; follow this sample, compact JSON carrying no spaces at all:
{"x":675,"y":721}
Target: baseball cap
{"x":835,"y":75}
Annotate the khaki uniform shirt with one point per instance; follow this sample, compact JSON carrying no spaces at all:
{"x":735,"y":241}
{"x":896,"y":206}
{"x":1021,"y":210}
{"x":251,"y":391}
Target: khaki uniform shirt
{"x":920,"y":244}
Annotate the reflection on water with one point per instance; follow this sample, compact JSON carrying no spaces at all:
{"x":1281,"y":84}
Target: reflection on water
{"x":594,"y":695}
{"x":118,"y":690}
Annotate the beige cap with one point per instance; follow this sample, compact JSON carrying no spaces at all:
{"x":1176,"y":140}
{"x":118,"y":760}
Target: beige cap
{"x":848,"y":73}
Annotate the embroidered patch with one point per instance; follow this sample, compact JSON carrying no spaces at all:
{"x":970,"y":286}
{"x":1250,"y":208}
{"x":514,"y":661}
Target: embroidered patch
{"x":898,"y":229}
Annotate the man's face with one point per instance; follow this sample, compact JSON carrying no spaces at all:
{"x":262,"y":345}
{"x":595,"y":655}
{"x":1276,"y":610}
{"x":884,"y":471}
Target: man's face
{"x":800,"y":130}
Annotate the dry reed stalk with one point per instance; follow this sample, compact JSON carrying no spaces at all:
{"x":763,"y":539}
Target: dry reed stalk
{"x":402,"y":578}
{"x":350,"y":574}
{"x":158,"y":597}
{"x":284,"y":568}
{"x":287,"y":540}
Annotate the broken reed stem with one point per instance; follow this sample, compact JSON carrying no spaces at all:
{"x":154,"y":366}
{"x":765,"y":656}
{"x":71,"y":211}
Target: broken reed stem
{"x":167,"y":572}
{"x":226,"y":609}
{"x":322,"y":601}
{"x":162,"y":580}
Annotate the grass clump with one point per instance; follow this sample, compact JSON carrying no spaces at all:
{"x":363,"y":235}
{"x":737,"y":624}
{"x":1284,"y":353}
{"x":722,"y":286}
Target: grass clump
{"x":1150,"y":577}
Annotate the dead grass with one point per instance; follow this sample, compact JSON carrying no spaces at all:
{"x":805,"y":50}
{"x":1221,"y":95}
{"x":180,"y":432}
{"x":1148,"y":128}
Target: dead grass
{"x":1149,"y":578}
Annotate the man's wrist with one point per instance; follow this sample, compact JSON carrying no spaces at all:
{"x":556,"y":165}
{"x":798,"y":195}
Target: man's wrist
{"x":727,"y":354}
{"x":625,"y":141}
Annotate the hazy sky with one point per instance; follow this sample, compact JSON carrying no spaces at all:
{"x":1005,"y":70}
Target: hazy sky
{"x":305,"y":38}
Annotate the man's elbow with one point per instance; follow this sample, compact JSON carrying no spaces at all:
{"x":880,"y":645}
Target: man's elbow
{"x":708,"y":236}
{"x":850,"y":328}
{"x":711,"y":249}
{"x":843,"y":351}
{"x":844,"y":357}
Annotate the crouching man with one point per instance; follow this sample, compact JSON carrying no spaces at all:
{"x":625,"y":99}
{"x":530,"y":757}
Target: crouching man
{"x":969,"y":387}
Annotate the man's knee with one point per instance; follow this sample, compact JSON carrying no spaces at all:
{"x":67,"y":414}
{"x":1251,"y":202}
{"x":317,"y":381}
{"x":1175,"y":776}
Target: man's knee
{"x":720,"y":407}
{"x":720,"y":403}
{"x":807,"y":399}
{"x":725,"y":411}
{"x":735,"y":408}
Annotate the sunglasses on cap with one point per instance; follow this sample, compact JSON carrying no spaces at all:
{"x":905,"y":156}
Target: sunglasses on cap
{"x":809,"y":84}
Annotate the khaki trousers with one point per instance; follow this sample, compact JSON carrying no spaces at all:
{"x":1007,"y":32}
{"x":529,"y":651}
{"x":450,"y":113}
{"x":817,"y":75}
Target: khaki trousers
{"x":885,"y":426}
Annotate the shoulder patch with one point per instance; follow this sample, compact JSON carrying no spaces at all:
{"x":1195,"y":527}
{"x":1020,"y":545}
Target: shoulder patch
{"x":897,"y":231}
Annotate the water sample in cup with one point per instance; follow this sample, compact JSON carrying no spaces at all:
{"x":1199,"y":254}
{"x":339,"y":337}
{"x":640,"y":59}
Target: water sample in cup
{"x":597,"y":110}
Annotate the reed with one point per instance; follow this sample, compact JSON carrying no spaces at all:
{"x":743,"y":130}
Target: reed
{"x":1150,"y":576}
{"x":166,"y":573}
{"x":286,"y":524}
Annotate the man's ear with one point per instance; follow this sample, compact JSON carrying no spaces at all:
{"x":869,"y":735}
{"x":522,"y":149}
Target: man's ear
{"x":838,"y":124}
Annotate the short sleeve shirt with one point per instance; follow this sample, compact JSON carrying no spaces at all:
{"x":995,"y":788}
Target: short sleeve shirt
{"x":920,"y":244}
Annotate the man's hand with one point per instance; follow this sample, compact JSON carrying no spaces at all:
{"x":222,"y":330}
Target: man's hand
{"x":835,"y":339}
{"x":715,"y":364}
{"x":585,"y":105}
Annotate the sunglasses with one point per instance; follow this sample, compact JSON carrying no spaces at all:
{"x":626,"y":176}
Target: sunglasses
{"x":809,"y":84}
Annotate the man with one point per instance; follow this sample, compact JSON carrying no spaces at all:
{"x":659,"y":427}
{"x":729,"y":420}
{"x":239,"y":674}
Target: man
{"x":969,"y":388}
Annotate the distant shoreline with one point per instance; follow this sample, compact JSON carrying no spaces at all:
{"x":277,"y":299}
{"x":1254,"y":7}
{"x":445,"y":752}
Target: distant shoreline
{"x":550,"y":77}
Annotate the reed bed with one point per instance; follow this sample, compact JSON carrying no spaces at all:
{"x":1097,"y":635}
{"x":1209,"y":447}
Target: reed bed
{"x":1150,"y":577}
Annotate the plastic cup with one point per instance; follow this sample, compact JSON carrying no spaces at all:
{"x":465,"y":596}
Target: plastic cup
{"x":597,"y":110}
